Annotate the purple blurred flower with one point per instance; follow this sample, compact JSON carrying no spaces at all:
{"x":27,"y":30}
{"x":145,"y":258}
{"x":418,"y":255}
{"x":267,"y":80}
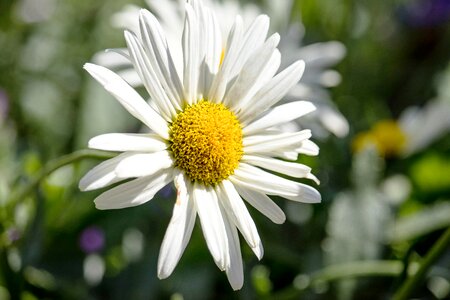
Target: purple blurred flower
{"x":425,"y":13}
{"x":13,"y":234}
{"x":92,"y":239}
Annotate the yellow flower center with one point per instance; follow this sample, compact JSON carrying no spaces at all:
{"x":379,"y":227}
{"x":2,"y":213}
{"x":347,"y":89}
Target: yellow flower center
{"x":206,"y":142}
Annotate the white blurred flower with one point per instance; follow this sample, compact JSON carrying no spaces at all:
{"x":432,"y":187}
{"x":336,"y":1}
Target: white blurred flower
{"x":212,"y":133}
{"x":319,"y":57}
{"x":415,"y":129}
{"x":422,"y":126}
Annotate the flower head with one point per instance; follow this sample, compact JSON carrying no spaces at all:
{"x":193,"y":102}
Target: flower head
{"x":319,"y":57}
{"x":214,"y":134}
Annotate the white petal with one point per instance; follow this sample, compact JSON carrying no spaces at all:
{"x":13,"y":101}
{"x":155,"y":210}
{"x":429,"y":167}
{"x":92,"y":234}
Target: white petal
{"x":288,"y":168}
{"x":289,"y":155}
{"x":191,"y":52}
{"x":323,"y":55}
{"x":333,"y":121}
{"x":235,"y":271}
{"x":266,"y":74}
{"x":279,"y":115}
{"x":423,"y":126}
{"x":207,"y":206}
{"x":135,"y":192}
{"x":149,"y":77}
{"x":263,"y":203}
{"x":156,"y":46}
{"x":219,"y":84}
{"x":130,"y":76}
{"x":127,"y":18}
{"x":249,"y":80}
{"x":168,"y":11}
{"x":273,"y":92}
{"x":111,"y":59}
{"x":267,"y":143}
{"x":306,"y":147}
{"x":264,"y":182}
{"x":253,"y":38}
{"x":129,"y":98}
{"x":212,"y":40}
{"x":143,"y":164}
{"x":309,"y":148}
{"x":233,"y":204}
{"x":259,"y":251}
{"x":127,"y":142}
{"x":103,"y":174}
{"x":313,"y":178}
{"x":179,"y":230}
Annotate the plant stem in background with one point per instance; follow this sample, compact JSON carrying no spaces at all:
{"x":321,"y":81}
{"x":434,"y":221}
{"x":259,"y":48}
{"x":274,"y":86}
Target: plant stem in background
{"x":407,"y":288}
{"x":357,"y":269}
{"x":52,"y":166}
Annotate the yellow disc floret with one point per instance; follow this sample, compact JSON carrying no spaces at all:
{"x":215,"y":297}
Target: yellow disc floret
{"x":206,"y":142}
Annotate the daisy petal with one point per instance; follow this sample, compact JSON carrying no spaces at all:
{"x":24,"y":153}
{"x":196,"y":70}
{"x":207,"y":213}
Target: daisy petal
{"x":313,"y":178}
{"x":280,"y":115}
{"x":263,"y":204}
{"x":259,"y":251}
{"x":111,"y":58}
{"x":102,"y":175}
{"x":135,"y":192}
{"x":273,"y":91}
{"x":235,"y":271}
{"x":207,"y":206}
{"x":212,"y":39}
{"x":291,"y":169}
{"x":191,"y":50}
{"x":264,"y":182}
{"x":267,"y":183}
{"x":239,"y":214}
{"x":253,"y":38}
{"x":129,"y":98}
{"x":178,"y":232}
{"x":309,"y":148}
{"x":151,"y":80}
{"x":249,"y":80}
{"x":131,"y":77}
{"x":158,"y":52}
{"x":127,"y":142}
{"x":266,"y":74}
{"x":219,"y":84}
{"x":143,"y":164}
{"x":334,"y":121}
{"x":268,"y":143}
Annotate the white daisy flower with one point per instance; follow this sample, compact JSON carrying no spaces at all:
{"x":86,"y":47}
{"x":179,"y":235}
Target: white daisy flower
{"x":319,"y":57}
{"x":415,"y":129}
{"x":213,"y":133}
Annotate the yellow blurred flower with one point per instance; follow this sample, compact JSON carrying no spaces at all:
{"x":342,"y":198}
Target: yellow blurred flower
{"x":386,"y":136}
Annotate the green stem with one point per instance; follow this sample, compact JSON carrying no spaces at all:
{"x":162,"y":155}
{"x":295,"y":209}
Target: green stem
{"x":407,"y":288}
{"x":376,"y":268}
{"x":358,"y":269}
{"x":52,"y":166}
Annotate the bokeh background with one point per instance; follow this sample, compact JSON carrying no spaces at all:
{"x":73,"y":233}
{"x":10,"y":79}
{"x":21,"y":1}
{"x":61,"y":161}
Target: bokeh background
{"x":385,"y":191}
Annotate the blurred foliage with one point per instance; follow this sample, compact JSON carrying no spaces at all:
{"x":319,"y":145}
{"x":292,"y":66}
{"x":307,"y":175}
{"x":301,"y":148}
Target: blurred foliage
{"x":374,"y":208}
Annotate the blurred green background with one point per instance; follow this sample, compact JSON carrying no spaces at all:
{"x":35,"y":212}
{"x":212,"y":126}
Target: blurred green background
{"x":380,"y":213}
